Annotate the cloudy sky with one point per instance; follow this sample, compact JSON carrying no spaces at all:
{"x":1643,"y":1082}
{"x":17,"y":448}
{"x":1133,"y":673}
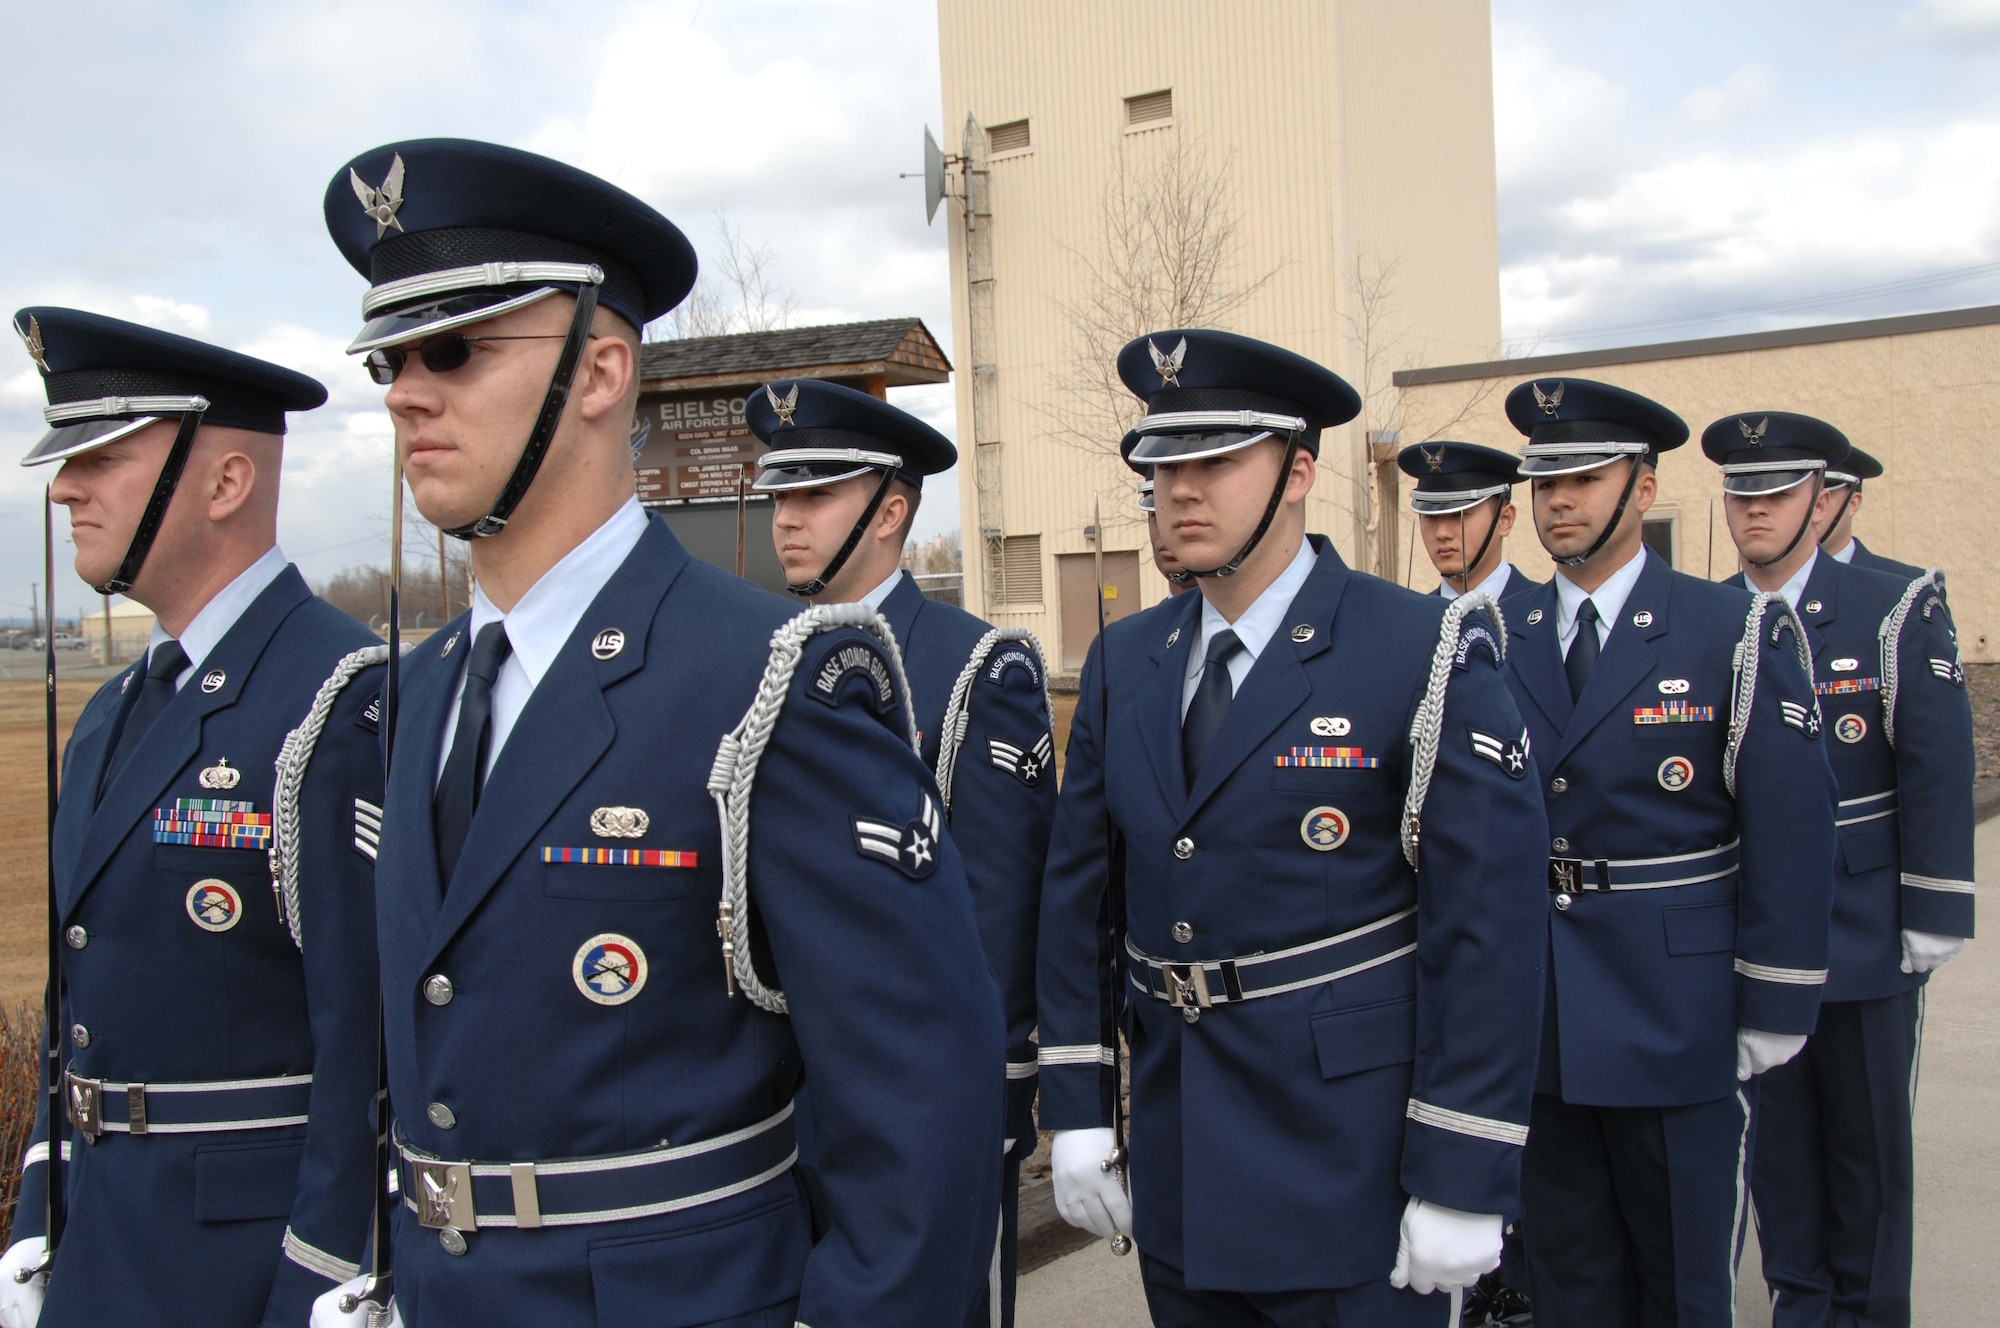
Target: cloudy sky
{"x":1666,"y":171}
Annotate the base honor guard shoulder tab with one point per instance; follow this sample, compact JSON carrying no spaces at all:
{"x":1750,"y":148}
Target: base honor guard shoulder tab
{"x":1477,"y":637}
{"x":1019,"y":657}
{"x":370,"y":715}
{"x":853,"y":668}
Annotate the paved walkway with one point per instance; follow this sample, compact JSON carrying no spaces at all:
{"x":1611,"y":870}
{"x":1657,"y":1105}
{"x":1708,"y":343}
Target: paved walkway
{"x":1958,"y":1168}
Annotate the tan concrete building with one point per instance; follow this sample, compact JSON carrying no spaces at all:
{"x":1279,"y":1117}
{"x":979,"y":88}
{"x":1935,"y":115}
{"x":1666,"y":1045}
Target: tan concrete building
{"x":1920,"y":393}
{"x":1273,"y":167}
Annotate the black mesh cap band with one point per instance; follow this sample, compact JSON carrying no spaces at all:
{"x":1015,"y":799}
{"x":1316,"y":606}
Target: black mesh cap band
{"x":1170,"y":400}
{"x":1589,"y":431}
{"x":230,"y":405}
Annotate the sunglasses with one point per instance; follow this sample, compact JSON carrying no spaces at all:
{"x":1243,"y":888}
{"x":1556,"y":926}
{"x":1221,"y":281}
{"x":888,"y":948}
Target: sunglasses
{"x":441,"y":354}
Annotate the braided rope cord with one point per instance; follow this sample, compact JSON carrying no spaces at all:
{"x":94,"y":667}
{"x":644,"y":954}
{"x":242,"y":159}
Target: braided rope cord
{"x":958,"y":710}
{"x":1427,"y":725}
{"x":1889,"y":641}
{"x":733,"y":776}
{"x":1743,"y":690}
{"x":293,"y":757}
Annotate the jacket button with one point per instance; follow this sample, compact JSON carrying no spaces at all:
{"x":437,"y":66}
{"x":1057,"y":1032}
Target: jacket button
{"x":1183,"y":932}
{"x":1558,"y":785}
{"x":1563,"y":901}
{"x":1561,"y":845}
{"x":440,"y":1115}
{"x":79,"y":1035}
{"x":1183,"y":848}
{"x":453,"y":1240}
{"x":437,"y":989}
{"x":77,"y":937}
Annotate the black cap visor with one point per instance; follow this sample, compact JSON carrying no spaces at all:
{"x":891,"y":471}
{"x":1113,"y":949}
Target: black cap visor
{"x":1445,"y":502}
{"x":68,"y":440}
{"x":461,"y":309}
{"x":1575,"y":458}
{"x":1747,"y":481}
{"x":1168,"y":449}
{"x":815,"y":467}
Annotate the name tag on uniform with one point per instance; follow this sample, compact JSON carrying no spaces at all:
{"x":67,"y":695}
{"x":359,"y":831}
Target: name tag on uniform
{"x":1673,"y":712}
{"x":212,"y":823}
{"x":620,"y":857}
{"x":1328,"y":758}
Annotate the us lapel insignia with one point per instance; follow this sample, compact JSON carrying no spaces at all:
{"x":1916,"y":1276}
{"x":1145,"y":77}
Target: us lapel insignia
{"x":1643,"y":618}
{"x":381,"y":204}
{"x":214,"y":905}
{"x":619,"y":822}
{"x":450,"y":642}
{"x":1302,"y":633}
{"x":1813,"y":606}
{"x":1172,"y":637}
{"x":212,"y":680}
{"x":911,"y":848}
{"x":609,"y":969}
{"x":1332,"y":726}
{"x":607,"y":643}
{"x":221,"y":775}
{"x":1534,"y":616}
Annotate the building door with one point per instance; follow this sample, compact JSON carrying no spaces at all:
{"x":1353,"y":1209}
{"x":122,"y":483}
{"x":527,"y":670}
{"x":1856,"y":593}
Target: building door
{"x":1077,"y":583}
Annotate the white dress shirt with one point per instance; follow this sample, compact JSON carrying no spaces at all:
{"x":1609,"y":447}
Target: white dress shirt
{"x":217,"y":616}
{"x":1609,"y":598}
{"x":873,"y":599}
{"x":1846,"y":552}
{"x":1253,"y":628}
{"x":542,"y":623}
{"x":1492,"y":585}
{"x":1796,"y":586}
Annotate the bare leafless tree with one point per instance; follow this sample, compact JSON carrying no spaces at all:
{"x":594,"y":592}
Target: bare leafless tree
{"x":739,"y":293}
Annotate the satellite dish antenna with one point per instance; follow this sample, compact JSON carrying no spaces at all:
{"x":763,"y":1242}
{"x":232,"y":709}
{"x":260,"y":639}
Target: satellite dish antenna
{"x":933,"y":176}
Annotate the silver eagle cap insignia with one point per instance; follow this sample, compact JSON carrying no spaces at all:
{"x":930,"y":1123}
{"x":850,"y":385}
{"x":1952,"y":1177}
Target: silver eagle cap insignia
{"x":381,"y":204}
{"x":31,"y":337}
{"x":1755,"y":433}
{"x":1168,"y":366}
{"x":785,"y":405}
{"x":1550,"y":402}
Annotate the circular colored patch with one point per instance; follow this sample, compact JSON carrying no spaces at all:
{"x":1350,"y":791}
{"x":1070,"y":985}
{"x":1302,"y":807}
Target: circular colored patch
{"x":1325,"y":829}
{"x":214,"y":905}
{"x":1850,"y":728}
{"x":1676,"y":773}
{"x":609,"y":969}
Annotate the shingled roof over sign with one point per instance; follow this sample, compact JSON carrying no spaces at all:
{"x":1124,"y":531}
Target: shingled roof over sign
{"x":900,"y":350}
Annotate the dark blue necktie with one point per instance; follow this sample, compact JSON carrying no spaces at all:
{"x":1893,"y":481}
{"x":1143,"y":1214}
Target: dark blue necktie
{"x":1582,"y":651}
{"x":464,"y":776}
{"x":1211,"y":701}
{"x":155,"y":691}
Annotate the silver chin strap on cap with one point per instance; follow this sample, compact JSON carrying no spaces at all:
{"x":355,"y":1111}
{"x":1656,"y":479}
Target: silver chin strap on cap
{"x":191,"y":411}
{"x":1464,"y":577}
{"x":817,"y":586}
{"x":1611,"y":526}
{"x":1845,"y":500}
{"x":544,"y":431}
{"x":1187,"y":574}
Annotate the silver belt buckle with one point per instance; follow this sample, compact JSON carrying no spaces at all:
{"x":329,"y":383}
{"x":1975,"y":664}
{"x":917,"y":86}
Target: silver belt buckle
{"x":443,"y":1195}
{"x":1187,"y":989}
{"x":85,"y":1103}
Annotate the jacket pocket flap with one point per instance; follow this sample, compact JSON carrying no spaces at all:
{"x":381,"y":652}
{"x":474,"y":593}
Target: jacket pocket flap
{"x":244,"y":1182}
{"x":1700,"y":928}
{"x":1367,"y":1037}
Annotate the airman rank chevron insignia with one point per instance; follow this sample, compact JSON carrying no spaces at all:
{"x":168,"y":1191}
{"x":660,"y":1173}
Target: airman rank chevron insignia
{"x":1842,"y":686}
{"x":1803,"y":718}
{"x":1028,"y":766}
{"x":367,"y":828}
{"x":911,"y":847}
{"x":1328,"y":758}
{"x":1509,"y":756}
{"x":212,"y":823}
{"x":1948,"y":670}
{"x":1673,"y":712}
{"x":621,"y":857}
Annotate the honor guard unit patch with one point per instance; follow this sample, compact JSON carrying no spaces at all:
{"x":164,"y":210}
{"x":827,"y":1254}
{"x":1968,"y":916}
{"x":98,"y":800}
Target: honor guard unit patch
{"x":1675,"y":773}
{"x":220,"y":775}
{"x":367,"y":828}
{"x":1842,"y":686}
{"x":1850,"y":728}
{"x":212,"y":823}
{"x":1509,"y":756}
{"x":1803,"y":718}
{"x":1027,"y":766}
{"x":855,"y":661}
{"x":621,"y":857}
{"x":1332,"y":726}
{"x":911,"y":848}
{"x":1328,"y":758}
{"x":1474,"y":634}
{"x":609,"y":969}
{"x":1673,"y":712}
{"x":214,"y":905}
{"x":1013,"y":658}
{"x":1324,"y":829}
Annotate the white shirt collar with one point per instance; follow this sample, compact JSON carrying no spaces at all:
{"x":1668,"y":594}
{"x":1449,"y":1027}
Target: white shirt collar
{"x":1796,"y":586}
{"x":1255,"y":627}
{"x":873,"y":599}
{"x":543,"y":620}
{"x":217,"y":616}
{"x":1846,"y":554}
{"x":1495,"y":582}
{"x":1609,"y":598}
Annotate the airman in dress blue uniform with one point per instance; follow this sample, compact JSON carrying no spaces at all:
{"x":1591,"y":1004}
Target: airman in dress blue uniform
{"x":220,"y":1055}
{"x":1837,"y":538}
{"x":1690,"y":863}
{"x":1330,"y":994}
{"x":1833,"y":1160}
{"x":1464,"y":498}
{"x":847,"y":471}
{"x":654,"y":850}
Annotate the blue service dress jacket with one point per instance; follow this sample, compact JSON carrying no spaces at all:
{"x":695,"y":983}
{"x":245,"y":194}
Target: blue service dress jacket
{"x":562,"y":999}
{"x":1905,"y":819}
{"x":1002,"y":801}
{"x":1274,"y":1143}
{"x":1875,"y":562}
{"x":1647,"y":986}
{"x":180,"y":970}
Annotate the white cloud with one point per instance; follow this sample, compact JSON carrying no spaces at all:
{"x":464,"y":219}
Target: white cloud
{"x":1720,"y":105}
{"x":189,"y":320}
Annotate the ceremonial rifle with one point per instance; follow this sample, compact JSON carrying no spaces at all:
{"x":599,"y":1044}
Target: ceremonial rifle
{"x":1114,"y":880}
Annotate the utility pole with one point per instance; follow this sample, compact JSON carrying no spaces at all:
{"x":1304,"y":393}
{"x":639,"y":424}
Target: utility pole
{"x":110,"y":647}
{"x":35,"y":607}
{"x":444,"y":586}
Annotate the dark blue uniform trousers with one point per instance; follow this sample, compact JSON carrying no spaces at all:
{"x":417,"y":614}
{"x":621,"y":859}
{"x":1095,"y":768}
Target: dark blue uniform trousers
{"x":1833,"y":1170}
{"x":1635,"y":1215}
{"x":1372,"y":1305}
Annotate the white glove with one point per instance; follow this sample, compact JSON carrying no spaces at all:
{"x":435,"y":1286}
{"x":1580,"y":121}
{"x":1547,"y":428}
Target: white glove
{"x":328,"y":1314}
{"x":1926,"y":952}
{"x":21,"y":1302}
{"x":1087,"y":1194}
{"x":1758,"y":1051}
{"x":1442,"y":1249}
